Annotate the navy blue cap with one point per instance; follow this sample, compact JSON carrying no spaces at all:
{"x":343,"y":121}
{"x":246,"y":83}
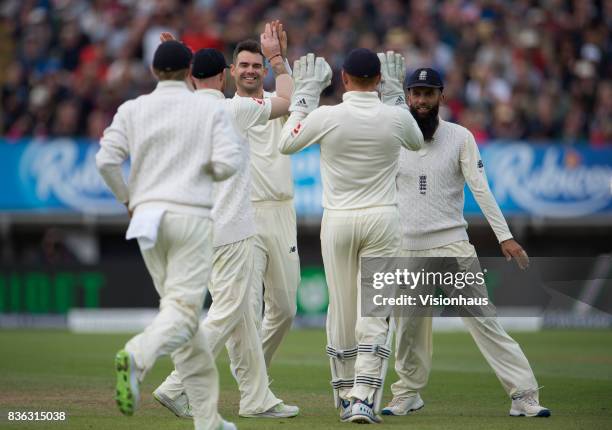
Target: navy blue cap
{"x":362,"y":63}
{"x":425,"y":77}
{"x":208,"y":62}
{"x":172,"y":55}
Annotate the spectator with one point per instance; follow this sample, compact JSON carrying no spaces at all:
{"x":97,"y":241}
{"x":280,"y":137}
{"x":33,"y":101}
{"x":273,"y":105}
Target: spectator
{"x":67,"y":119}
{"x":535,"y":70}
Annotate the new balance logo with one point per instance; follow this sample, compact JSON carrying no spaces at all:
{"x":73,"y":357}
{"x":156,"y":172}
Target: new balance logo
{"x":400,"y":101}
{"x":292,"y":249}
{"x":302,"y":103}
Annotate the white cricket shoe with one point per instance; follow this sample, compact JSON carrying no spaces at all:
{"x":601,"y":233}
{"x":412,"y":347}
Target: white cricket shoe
{"x":226,"y":425}
{"x":179,"y":406}
{"x":345,"y":410}
{"x":403,"y":405}
{"x":279,"y":411}
{"x":362,"y":413}
{"x":525,"y":404}
{"x":223,"y":425}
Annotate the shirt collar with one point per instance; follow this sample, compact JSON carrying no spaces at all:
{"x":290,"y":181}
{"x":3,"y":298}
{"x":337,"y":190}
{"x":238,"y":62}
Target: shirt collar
{"x":371,"y":96}
{"x":211,"y":93}
{"x":266,"y":95}
{"x":163,"y":85}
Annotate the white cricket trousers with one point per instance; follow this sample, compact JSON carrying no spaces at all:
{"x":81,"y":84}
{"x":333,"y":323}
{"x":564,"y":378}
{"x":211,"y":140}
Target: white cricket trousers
{"x":413,"y":341}
{"x":277,"y":272}
{"x":180,"y":265}
{"x":230,"y":321}
{"x":346,"y":236}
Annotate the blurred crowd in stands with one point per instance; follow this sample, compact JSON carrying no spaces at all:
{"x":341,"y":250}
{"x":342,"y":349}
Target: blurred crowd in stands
{"x":523,"y":69}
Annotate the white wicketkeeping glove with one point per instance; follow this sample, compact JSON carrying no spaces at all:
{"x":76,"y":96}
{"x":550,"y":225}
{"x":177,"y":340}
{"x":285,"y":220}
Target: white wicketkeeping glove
{"x":393,"y":70}
{"x":310,"y":77}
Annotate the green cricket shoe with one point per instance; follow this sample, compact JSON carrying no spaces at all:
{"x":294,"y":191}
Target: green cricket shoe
{"x":127,"y":393}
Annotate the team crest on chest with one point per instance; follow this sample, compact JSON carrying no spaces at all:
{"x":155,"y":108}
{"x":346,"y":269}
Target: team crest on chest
{"x":422,"y":184}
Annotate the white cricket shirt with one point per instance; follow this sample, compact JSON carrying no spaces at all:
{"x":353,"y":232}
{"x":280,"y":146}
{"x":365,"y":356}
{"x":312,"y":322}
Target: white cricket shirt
{"x":176,"y":142}
{"x":360,"y":141}
{"x":233,"y":215}
{"x":430,"y":185}
{"x":271,"y":170}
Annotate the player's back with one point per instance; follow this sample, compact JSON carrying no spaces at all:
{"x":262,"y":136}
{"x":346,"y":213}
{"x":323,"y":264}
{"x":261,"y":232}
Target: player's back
{"x":170,"y":133}
{"x":233,"y":212}
{"x":359,"y":157}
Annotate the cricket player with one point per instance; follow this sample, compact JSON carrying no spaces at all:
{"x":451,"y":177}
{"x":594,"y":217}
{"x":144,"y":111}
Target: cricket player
{"x":360,"y":142}
{"x":277,"y":264}
{"x":430,"y":186}
{"x":178,"y":145}
{"x":231,"y":318}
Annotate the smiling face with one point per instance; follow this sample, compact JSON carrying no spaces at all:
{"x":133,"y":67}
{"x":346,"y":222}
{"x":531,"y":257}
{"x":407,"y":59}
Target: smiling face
{"x":248,"y":71}
{"x":424,"y":105}
{"x":424,"y":101}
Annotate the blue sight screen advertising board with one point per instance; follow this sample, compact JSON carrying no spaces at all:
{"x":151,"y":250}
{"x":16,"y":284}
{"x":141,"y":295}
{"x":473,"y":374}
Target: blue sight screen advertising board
{"x":59,"y":175}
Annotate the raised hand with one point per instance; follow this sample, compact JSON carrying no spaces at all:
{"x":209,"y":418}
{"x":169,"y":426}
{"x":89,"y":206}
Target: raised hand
{"x":393,"y":71}
{"x":165,"y":37}
{"x":282,"y":37}
{"x":392,"y":66}
{"x":311,"y":76}
{"x":270,"y":43}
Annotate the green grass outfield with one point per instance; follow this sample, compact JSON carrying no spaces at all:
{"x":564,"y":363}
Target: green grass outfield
{"x":59,"y":371}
